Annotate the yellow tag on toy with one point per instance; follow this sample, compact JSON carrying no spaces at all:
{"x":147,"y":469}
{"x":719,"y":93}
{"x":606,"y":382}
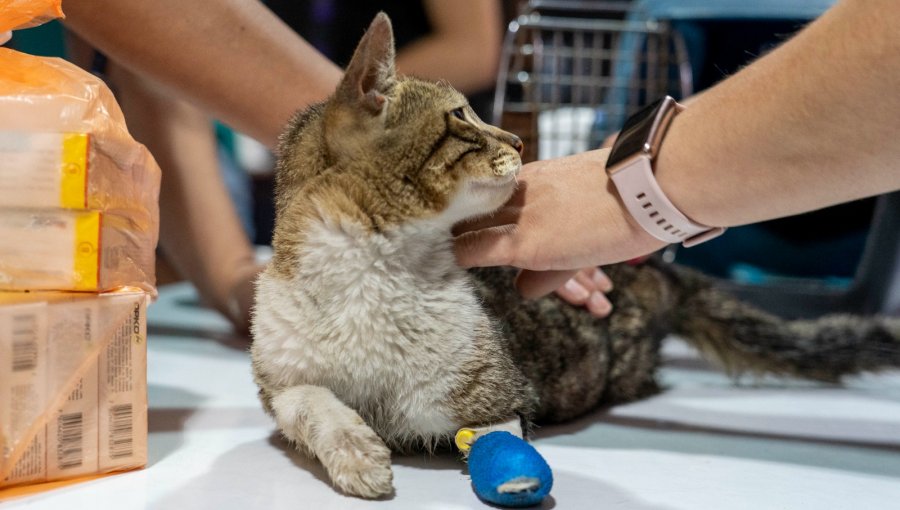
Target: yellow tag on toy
{"x":464,"y":439}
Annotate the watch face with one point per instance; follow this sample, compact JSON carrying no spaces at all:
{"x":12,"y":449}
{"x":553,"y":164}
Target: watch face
{"x":634,"y":134}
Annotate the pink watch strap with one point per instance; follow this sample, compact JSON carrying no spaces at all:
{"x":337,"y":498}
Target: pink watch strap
{"x":647,"y":203}
{"x":630,"y":166}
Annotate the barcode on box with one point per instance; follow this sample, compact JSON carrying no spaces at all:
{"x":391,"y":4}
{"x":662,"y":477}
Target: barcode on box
{"x":24,"y":343}
{"x":121,"y":433}
{"x":70,"y":434}
{"x":62,"y":414}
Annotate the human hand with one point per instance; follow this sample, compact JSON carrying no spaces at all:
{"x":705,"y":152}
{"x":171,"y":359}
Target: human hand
{"x":564,"y":215}
{"x":5,"y":37}
{"x":588,"y":288}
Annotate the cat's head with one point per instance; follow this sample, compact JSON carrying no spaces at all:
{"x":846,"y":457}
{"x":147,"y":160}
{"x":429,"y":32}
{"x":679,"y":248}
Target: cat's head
{"x":417,"y":144}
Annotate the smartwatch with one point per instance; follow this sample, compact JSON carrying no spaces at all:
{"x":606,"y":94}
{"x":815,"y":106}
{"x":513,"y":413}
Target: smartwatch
{"x":630,"y":166}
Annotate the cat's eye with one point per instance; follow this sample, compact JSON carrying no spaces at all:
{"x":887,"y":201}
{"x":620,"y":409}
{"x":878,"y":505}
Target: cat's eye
{"x":459,"y":113}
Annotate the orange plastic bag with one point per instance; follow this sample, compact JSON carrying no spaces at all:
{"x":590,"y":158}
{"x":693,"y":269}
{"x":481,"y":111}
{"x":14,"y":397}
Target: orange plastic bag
{"x":64,"y":144}
{"x":112,"y":174}
{"x":18,"y":14}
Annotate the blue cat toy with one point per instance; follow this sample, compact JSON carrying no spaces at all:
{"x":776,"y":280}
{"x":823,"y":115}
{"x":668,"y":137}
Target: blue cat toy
{"x":505,"y":470}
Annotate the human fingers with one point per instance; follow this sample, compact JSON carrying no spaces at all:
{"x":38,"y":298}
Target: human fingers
{"x":597,"y":283}
{"x":595,"y":280}
{"x":493,"y":246}
{"x":507,"y":215}
{"x":598,"y":304}
{"x":580,"y":289}
{"x":534,"y":284}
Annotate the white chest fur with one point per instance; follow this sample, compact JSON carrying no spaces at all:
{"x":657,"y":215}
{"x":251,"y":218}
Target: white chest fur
{"x":385,"y":321}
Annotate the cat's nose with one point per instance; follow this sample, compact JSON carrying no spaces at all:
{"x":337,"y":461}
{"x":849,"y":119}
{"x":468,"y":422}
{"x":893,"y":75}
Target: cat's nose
{"x":517,"y":144}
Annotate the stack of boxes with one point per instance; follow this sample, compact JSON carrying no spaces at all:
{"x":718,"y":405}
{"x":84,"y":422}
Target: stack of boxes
{"x":78,"y":229}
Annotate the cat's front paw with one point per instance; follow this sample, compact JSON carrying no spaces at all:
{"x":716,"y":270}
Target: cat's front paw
{"x":359,"y":463}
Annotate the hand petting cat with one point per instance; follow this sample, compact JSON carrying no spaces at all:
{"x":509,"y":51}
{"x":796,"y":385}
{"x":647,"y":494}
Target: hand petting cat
{"x":539,"y":231}
{"x":586,"y":287}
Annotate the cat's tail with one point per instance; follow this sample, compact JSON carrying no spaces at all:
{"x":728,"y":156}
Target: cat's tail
{"x":745,"y":339}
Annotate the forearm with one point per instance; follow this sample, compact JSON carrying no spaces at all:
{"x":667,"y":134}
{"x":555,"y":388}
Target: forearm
{"x":232,"y":57}
{"x":444,"y":58}
{"x":811,"y":124}
{"x":200,"y":232}
{"x":464,"y":47}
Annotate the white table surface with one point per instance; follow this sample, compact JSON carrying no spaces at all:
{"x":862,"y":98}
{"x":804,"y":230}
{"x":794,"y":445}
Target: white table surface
{"x":705,"y":443}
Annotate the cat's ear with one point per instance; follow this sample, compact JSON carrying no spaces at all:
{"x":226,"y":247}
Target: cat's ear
{"x":370,"y":75}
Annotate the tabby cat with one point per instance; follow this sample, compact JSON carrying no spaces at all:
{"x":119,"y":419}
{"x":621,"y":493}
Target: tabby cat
{"x":369,"y":338}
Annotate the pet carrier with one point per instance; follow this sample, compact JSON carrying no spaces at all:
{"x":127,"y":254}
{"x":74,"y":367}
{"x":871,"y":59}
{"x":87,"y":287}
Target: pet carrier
{"x":572,"y":71}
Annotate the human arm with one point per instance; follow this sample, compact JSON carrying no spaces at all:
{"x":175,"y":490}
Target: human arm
{"x":463,"y":47}
{"x":200,"y":233}
{"x":812,"y":124}
{"x":809,"y":125}
{"x":233,"y":58}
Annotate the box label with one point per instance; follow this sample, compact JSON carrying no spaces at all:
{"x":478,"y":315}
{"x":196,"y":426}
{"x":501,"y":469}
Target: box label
{"x":42,"y":249}
{"x":23,"y":383}
{"x":44,"y":169}
{"x":61,"y":414}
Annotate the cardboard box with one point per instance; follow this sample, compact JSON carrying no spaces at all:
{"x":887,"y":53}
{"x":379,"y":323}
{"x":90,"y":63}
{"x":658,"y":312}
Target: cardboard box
{"x":73,"y":384}
{"x":60,"y":249}
{"x":79,"y":197}
{"x":69,"y":170}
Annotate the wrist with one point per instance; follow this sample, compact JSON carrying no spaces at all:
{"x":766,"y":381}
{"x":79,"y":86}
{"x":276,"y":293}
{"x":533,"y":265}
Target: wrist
{"x":685,"y":185}
{"x":632,"y":166}
{"x":635,"y":241}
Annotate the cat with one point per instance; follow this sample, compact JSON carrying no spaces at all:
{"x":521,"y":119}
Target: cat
{"x":368,"y":338}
